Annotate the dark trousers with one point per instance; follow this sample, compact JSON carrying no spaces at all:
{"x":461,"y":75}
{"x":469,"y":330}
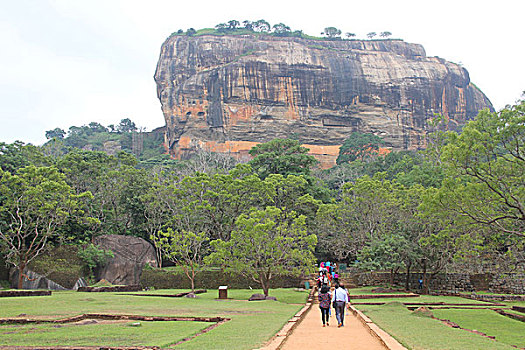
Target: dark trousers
{"x":325,"y":314}
{"x":340,"y":311}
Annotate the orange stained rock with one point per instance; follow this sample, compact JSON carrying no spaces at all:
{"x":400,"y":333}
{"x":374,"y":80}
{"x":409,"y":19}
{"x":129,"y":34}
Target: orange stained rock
{"x":241,"y":113}
{"x":326,"y":155}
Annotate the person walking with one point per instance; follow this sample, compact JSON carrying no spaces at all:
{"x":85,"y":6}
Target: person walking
{"x":339,"y":300}
{"x":324,"y":298}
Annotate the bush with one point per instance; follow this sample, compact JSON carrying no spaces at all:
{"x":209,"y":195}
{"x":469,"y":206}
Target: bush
{"x":60,"y":265}
{"x":162,"y":279}
{"x":4,"y":284}
{"x":92,"y":256}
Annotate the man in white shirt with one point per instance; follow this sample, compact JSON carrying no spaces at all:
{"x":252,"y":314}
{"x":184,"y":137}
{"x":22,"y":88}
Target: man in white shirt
{"x":339,"y":300}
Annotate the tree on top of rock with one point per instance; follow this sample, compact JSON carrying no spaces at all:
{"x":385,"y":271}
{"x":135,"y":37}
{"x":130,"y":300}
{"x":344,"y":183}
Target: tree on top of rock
{"x":281,"y":29}
{"x":332,"y":32}
{"x":358,"y":146}
{"x":261,"y":26}
{"x":233,"y":24}
{"x":281,"y":156}
{"x":385,"y":34}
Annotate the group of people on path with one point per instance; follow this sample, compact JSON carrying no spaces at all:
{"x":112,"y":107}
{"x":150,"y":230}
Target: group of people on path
{"x":337,"y":298}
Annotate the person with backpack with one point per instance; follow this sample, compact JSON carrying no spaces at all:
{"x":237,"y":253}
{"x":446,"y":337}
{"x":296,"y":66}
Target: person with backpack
{"x":324,"y":298}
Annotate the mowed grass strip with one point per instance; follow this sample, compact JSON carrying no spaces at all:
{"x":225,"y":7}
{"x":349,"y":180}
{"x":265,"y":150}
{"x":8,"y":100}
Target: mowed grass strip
{"x":420,"y":333}
{"x":505,"y":329}
{"x":251,"y":324}
{"x":160,"y":334}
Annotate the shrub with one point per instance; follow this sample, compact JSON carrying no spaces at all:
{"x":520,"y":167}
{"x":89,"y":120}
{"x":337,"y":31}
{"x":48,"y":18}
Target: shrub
{"x":162,"y":279}
{"x":61,"y":265}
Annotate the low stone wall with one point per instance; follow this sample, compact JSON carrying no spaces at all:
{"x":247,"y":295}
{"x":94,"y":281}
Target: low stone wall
{"x":130,"y":288}
{"x":24,"y":293}
{"x":450,"y":282}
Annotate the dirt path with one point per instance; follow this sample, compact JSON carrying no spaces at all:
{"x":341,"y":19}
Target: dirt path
{"x":310,"y":334}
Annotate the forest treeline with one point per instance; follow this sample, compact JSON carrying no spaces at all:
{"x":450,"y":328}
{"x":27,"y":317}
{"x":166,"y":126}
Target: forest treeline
{"x":457,"y":206}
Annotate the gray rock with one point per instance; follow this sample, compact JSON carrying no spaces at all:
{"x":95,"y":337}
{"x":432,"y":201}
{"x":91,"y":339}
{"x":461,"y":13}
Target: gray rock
{"x":81,"y":282}
{"x":258,"y":296}
{"x":33,"y":280}
{"x":131,"y":254}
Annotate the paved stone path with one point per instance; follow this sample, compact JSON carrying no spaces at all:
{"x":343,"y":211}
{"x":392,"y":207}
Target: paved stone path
{"x":310,"y":333}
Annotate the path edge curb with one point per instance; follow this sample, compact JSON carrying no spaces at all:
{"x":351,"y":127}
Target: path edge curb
{"x":277,"y":341}
{"x":386,"y":339}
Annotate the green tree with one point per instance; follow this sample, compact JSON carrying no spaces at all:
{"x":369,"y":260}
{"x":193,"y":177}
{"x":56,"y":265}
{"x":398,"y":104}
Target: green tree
{"x":16,"y":155}
{"x":126,"y":125}
{"x":248,"y":24}
{"x":332,"y":32}
{"x":264,"y":244}
{"x":221,"y":27}
{"x":55,"y":133}
{"x":281,"y":156}
{"x":485,"y":171}
{"x":385,"y":34}
{"x":383,"y":253}
{"x":117,"y":188}
{"x":358,"y":146}
{"x":350,"y":35}
{"x":185,"y":249}
{"x":281,"y":29}
{"x":33,"y":204}
{"x":233,"y":24}
{"x":371,"y":35}
{"x":261,"y":26}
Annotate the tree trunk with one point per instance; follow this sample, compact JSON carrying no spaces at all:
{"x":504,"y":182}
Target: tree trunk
{"x":425,"y":282}
{"x":264,"y":285}
{"x":407,"y":279}
{"x":192,"y":280}
{"x":392,"y":277}
{"x":21,"y":269}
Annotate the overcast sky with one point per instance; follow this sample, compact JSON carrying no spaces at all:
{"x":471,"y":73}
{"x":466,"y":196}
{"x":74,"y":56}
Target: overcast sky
{"x":70,"y":62}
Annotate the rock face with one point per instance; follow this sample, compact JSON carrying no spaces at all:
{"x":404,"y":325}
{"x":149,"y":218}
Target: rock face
{"x":130,"y":256}
{"x":228,"y":93}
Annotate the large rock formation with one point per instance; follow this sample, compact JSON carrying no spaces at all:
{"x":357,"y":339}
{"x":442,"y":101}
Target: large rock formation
{"x":131,"y":254}
{"x":228,"y":93}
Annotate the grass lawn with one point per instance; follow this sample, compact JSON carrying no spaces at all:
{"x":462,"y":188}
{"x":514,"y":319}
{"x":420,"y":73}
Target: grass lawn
{"x":368,"y":290}
{"x":505,"y":329}
{"x":113,"y":334}
{"x":262,"y":318}
{"x":420,"y":333}
{"x":416,"y":332}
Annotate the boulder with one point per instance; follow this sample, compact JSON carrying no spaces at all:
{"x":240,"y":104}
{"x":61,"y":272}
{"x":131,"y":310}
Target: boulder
{"x":33,"y":280}
{"x":131,"y":254}
{"x":258,"y":296}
